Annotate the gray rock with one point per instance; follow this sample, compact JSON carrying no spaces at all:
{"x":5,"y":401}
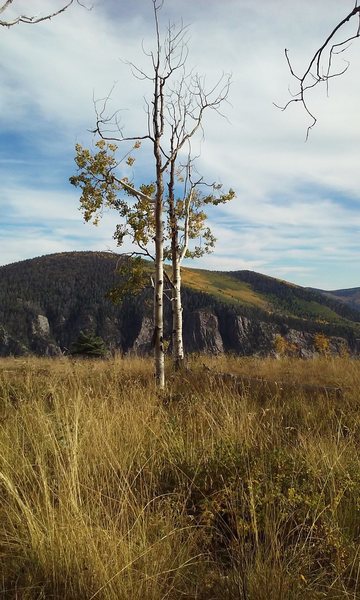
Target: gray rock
{"x":201,"y":332}
{"x":41,"y":326}
{"x":142,"y":343}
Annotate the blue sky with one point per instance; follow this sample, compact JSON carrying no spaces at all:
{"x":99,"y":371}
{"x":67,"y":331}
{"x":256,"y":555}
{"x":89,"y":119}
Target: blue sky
{"x":297,"y":211}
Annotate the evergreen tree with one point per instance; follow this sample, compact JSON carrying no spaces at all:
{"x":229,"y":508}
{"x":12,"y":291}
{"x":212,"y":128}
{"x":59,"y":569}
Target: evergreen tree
{"x":88,"y":344}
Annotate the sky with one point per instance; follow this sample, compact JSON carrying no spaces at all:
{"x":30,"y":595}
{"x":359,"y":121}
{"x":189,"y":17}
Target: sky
{"x":296,"y":215}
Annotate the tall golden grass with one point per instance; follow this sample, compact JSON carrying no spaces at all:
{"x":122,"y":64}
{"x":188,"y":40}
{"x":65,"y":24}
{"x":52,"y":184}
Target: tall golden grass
{"x":110,"y":491}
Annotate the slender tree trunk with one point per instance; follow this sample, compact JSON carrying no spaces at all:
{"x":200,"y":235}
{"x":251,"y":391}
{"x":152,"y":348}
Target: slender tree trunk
{"x":158,"y":126}
{"x":158,"y":131}
{"x":159,"y":273}
{"x":177,"y":311}
{"x":176,"y":302}
{"x":158,"y":300}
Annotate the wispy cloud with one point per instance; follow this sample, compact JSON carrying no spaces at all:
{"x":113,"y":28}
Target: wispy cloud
{"x":297,"y":209}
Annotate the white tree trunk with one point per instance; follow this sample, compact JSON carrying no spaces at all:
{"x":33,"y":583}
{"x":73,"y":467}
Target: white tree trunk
{"x":159,"y":356}
{"x":177,"y":320}
{"x":158,"y":299}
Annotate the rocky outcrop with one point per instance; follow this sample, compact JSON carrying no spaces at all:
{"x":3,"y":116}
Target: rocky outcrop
{"x":40,"y":326}
{"x":205,"y":330}
{"x":201,"y":332}
{"x":246,"y":336}
{"x":40,"y":337}
{"x":142,"y":342}
{"x":9,"y":346}
{"x":300,"y":343}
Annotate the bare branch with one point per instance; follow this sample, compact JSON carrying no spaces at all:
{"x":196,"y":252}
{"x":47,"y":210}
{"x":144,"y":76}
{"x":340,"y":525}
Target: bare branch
{"x":6,"y":5}
{"x":32,"y":20}
{"x":314,"y":74}
{"x":109,"y":128}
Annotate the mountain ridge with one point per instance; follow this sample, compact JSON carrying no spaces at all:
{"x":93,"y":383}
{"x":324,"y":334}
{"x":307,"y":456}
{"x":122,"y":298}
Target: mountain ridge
{"x":350,"y":296}
{"x":46,"y":301}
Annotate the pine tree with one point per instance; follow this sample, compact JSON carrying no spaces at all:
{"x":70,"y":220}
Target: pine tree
{"x":89,"y":345}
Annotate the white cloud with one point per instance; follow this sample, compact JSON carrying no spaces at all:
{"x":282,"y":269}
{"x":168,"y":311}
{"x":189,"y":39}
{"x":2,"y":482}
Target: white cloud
{"x":293,"y":197}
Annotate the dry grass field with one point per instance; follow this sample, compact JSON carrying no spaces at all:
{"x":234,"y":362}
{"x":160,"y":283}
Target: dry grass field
{"x":209,"y":492}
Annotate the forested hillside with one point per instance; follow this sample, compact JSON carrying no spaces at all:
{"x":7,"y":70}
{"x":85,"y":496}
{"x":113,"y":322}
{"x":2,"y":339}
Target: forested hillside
{"x":45,"y":303}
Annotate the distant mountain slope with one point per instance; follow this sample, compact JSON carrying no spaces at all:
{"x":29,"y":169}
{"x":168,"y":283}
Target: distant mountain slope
{"x":272,"y":295}
{"x":350,"y":296}
{"x":46,"y":301}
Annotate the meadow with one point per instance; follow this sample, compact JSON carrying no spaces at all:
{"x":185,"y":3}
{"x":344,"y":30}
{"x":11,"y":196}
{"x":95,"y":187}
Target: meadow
{"x":215,"y":490}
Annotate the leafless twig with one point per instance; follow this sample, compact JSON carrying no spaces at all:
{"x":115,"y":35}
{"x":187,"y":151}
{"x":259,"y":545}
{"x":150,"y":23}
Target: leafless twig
{"x":31,"y":20}
{"x":315,"y":73}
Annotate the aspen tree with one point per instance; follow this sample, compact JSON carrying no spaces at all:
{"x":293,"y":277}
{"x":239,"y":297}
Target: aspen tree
{"x":173,"y":115}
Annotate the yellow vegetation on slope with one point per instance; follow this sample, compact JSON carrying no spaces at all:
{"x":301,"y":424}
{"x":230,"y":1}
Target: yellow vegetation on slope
{"x":223,"y":286}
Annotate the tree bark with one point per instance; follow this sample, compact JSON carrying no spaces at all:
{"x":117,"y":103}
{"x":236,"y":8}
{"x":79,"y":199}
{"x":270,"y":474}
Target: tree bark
{"x":177,"y":310}
{"x":159,"y":288}
{"x":176,"y":301}
{"x":158,"y":131}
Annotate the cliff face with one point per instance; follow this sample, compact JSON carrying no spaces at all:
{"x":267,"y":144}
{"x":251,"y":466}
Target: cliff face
{"x":215,"y":333}
{"x":202,"y":333}
{"x":44,"y":303}
{"x":224,"y":332}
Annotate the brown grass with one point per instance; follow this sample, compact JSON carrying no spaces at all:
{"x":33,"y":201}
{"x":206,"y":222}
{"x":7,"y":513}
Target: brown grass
{"x":110,"y":491}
